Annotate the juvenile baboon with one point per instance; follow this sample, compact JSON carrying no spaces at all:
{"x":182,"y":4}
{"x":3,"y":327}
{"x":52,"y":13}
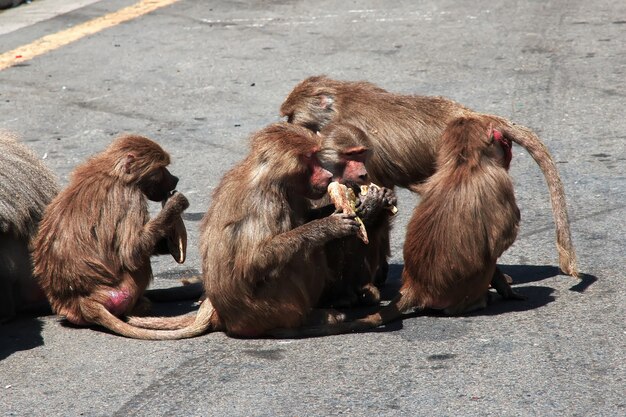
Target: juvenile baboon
{"x":92,"y":252}
{"x":355,"y":265}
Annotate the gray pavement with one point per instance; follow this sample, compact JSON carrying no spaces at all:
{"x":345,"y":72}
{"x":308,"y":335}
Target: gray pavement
{"x":199,"y":77}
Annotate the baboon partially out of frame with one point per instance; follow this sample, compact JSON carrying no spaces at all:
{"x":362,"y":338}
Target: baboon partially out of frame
{"x":27,"y":186}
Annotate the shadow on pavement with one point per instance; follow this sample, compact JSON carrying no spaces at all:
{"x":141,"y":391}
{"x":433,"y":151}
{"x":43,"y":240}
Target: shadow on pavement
{"x":522,"y":274}
{"x":536,"y":296}
{"x":191,"y":292}
{"x":21,"y":333}
{"x":585,"y":282}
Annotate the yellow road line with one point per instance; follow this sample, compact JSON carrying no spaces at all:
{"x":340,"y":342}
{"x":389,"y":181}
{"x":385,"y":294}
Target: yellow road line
{"x":56,"y":40}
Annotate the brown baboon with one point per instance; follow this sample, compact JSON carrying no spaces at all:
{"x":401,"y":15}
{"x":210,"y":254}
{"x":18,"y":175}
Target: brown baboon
{"x":26,"y":188}
{"x":355,"y":265}
{"x":263,"y":261}
{"x":92,"y":252}
{"x":404,"y":132}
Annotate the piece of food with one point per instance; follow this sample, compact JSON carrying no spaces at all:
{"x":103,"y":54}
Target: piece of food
{"x":365,"y":188}
{"x":344,"y":200}
{"x":177,"y":239}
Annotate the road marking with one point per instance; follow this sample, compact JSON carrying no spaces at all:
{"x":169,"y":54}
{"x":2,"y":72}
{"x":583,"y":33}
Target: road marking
{"x":365,"y":17}
{"x":30,"y":13}
{"x":56,"y":40}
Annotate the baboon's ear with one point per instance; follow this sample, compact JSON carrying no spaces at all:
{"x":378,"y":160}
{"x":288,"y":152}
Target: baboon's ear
{"x":129,"y":160}
{"x":325,"y":98}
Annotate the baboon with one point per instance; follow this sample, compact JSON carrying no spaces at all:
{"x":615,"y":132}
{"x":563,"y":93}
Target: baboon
{"x":467,"y":218}
{"x":356,"y":265}
{"x":26,"y":187}
{"x":263,"y":262}
{"x":404,"y":133}
{"x":92,"y":252}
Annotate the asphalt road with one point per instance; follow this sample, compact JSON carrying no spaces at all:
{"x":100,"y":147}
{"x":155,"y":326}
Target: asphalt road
{"x":199,"y":77}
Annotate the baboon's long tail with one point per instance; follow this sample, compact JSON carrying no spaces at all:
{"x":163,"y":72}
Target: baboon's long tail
{"x":97,"y":313}
{"x":526,"y":138}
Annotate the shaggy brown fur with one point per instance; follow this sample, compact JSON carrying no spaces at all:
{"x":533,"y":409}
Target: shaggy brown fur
{"x":262,"y":259}
{"x":404,"y":133}
{"x":263,"y":262}
{"x":92,"y":252}
{"x":26,"y":188}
